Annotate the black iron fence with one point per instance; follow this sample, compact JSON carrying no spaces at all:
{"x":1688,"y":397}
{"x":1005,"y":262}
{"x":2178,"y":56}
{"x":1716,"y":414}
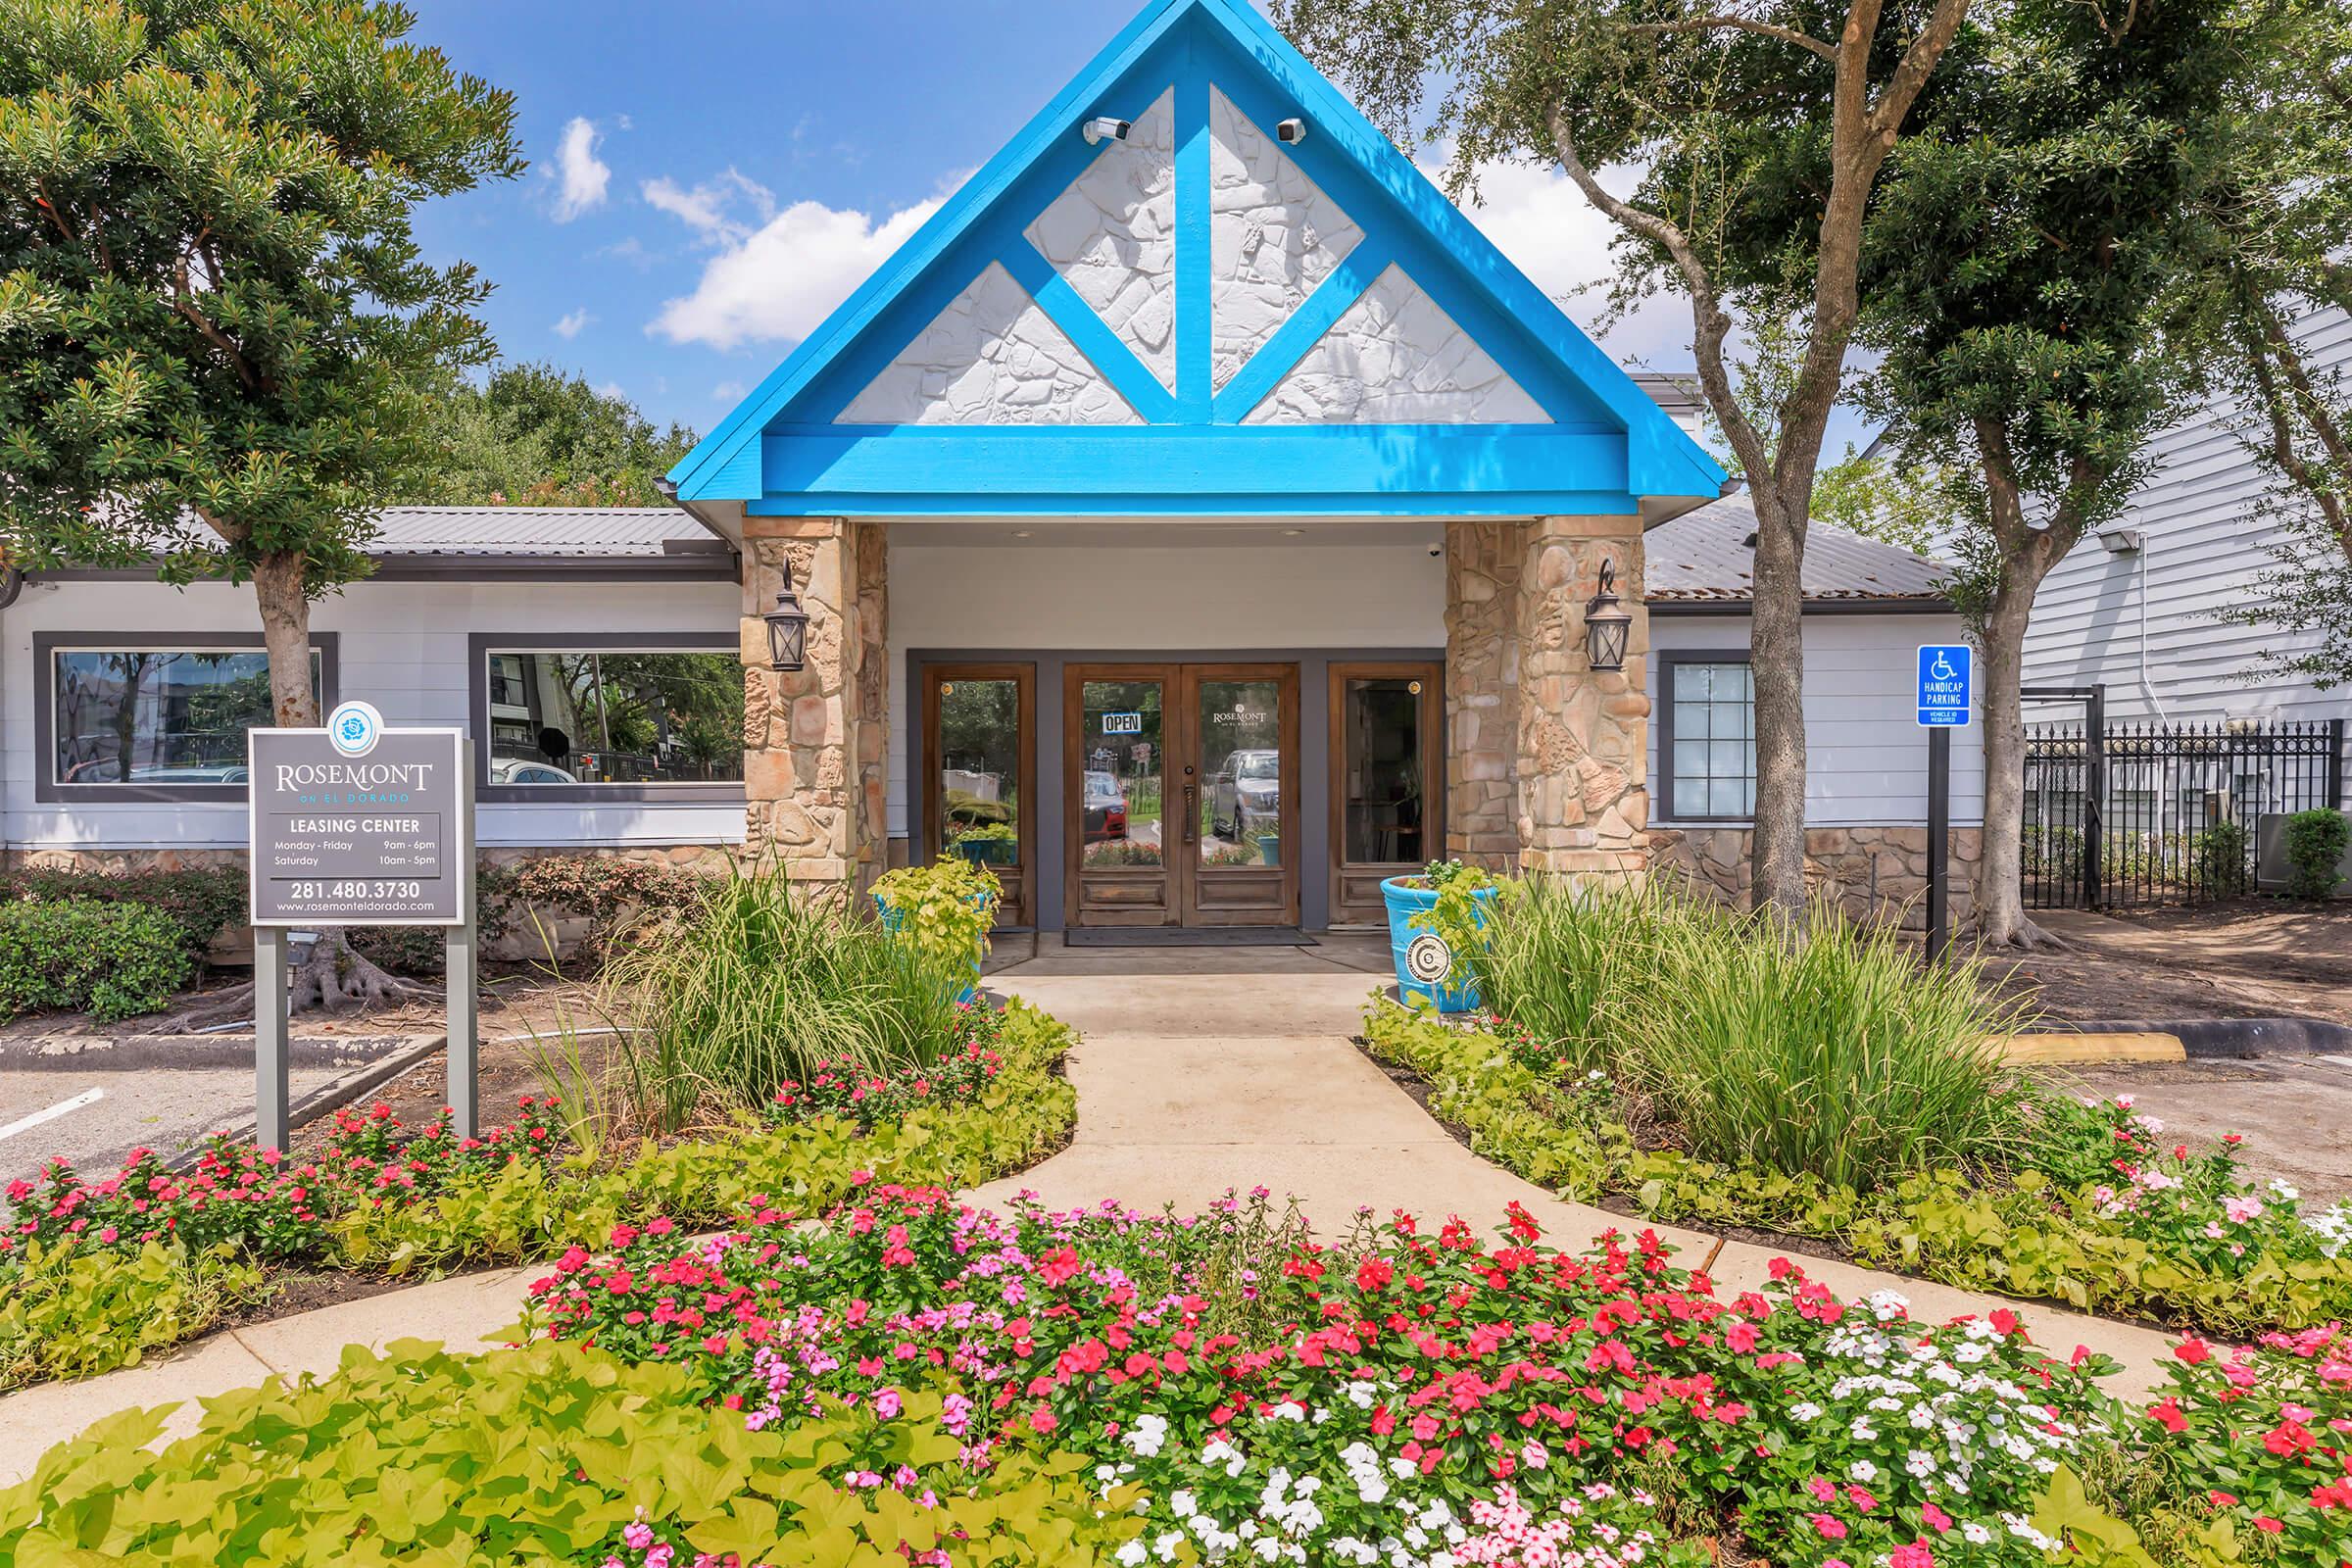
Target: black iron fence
{"x":2119,"y":815}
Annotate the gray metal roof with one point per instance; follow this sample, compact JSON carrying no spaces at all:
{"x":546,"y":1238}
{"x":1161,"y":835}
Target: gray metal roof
{"x":599,"y":532}
{"x":1703,"y":555}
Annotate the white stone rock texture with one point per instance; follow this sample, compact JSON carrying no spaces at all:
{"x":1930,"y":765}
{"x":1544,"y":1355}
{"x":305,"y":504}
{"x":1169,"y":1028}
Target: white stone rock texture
{"x":1273,"y":236}
{"x":1396,"y":357}
{"x":1111,"y":234}
{"x":991,"y":357}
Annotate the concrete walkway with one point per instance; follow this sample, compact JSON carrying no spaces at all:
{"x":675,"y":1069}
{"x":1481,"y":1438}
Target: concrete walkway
{"x":1200,"y":1069}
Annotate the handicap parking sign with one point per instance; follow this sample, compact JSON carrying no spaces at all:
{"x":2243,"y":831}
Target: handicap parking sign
{"x":1948,"y":682}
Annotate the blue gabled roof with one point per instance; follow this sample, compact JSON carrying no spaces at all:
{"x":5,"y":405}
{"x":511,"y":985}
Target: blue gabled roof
{"x":1608,"y":445}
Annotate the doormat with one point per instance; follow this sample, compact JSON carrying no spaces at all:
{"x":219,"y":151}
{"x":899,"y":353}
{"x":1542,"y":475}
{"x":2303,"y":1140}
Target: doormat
{"x":1177,"y":935}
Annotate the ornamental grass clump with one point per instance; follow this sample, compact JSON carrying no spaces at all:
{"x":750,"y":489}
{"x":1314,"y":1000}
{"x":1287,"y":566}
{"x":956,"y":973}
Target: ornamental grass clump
{"x":757,"y":984}
{"x":1571,"y":963}
{"x":1831,"y":1051}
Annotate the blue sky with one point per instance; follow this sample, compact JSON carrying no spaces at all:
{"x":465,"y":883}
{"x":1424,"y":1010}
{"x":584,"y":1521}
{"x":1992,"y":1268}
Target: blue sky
{"x":708,"y":181}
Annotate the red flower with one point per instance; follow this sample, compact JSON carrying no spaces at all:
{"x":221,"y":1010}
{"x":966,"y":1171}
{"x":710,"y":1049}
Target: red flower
{"x":2193,"y":1349}
{"x":2168,"y":1414}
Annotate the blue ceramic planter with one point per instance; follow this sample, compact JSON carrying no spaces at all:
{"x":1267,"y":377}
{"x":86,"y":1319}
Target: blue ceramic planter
{"x":1421,"y":956}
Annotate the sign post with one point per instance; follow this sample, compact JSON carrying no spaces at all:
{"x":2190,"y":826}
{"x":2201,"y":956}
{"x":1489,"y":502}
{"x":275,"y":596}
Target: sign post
{"x":1947,"y":679}
{"x":357,"y":824}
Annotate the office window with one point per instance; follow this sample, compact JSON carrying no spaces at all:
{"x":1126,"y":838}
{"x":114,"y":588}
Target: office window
{"x":613,"y":715}
{"x":158,"y":717}
{"x":1711,"y":742}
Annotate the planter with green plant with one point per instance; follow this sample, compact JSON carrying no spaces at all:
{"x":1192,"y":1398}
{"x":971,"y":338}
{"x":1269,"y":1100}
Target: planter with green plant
{"x":944,"y":912}
{"x":1437,"y":927}
{"x":986,"y":842}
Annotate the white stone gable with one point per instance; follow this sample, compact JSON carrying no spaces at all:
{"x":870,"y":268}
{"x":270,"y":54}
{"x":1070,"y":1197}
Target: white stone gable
{"x":1396,"y":357}
{"x":1273,"y":235}
{"x":1111,"y":234}
{"x":991,"y":357}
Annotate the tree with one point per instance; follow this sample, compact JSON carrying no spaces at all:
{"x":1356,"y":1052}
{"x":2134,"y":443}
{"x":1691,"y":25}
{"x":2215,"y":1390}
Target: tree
{"x":217,"y":330}
{"x":1758,"y":133}
{"x":533,"y":435}
{"x":2040,"y":237}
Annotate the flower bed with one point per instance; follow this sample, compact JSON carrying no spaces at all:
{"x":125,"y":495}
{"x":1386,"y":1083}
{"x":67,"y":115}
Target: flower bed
{"x":855,"y":1093}
{"x":1228,"y":1390}
{"x":387,"y":1200}
{"x":2103,"y":1217}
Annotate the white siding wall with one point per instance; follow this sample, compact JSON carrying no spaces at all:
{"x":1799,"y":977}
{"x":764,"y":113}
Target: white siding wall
{"x":997,"y":593}
{"x":402,"y":648}
{"x":1866,"y":757}
{"x":2204,"y":553}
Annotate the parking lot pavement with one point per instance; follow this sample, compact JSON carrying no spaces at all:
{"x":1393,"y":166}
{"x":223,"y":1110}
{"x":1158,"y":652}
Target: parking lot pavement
{"x":2292,"y":1109}
{"x":94,"y":1100}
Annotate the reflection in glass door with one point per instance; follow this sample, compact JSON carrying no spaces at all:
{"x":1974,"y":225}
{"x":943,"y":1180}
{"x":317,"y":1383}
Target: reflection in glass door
{"x":1242,"y":722}
{"x":1182,"y":789}
{"x":1118,"y":798}
{"x":1385,"y":783}
{"x":977,"y":724}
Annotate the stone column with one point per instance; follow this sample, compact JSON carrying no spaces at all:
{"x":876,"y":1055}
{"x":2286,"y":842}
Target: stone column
{"x":1481,"y":691}
{"x":1582,"y":761}
{"x":813,"y":738}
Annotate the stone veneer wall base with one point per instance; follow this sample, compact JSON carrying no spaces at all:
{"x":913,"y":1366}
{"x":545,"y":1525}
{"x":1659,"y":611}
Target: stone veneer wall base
{"x":1880,"y":867}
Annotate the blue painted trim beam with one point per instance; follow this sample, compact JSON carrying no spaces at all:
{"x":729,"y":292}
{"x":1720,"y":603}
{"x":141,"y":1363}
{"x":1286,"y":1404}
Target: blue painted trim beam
{"x":1091,"y":336}
{"x":1216,"y":469}
{"x":1327,"y":505}
{"x":1302,"y":330}
{"x":1194,"y":275}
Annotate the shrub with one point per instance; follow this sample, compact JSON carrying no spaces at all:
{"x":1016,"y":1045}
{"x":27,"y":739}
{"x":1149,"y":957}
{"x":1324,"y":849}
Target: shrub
{"x":606,"y":891}
{"x":200,"y":899}
{"x":758,"y":983}
{"x":2315,"y":853}
{"x":1572,"y":964}
{"x":845,"y":1090}
{"x":112,"y":960}
{"x":944,"y":910}
{"x":550,"y":1453}
{"x":72,"y":1311}
{"x":2223,"y":860}
{"x":2028,"y":1237}
{"x":1832,"y":1053}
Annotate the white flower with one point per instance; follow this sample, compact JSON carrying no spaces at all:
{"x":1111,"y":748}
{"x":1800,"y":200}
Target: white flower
{"x":1131,"y":1553}
{"x":1863,"y":1470}
{"x":1145,"y":1438}
{"x":1805,"y":1410}
{"x":1182,"y":1504}
{"x":1165,"y":1545}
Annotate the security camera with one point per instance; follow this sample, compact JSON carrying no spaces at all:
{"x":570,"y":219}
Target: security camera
{"x":1434,"y":551}
{"x":1292,"y":131}
{"x":1105,"y":127}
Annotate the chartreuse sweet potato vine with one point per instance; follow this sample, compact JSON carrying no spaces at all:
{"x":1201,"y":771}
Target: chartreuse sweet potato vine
{"x":2045,"y":1231}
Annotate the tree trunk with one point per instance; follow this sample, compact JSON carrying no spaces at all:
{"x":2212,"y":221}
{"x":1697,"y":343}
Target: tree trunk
{"x":286,"y":634}
{"x":1999,"y":893}
{"x":1775,"y":643}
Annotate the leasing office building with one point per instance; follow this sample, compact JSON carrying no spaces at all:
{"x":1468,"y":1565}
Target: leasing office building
{"x":1199,"y":514}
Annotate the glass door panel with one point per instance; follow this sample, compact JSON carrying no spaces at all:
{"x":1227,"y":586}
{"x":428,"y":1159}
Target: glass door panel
{"x":1384,"y":781}
{"x":978,"y":724}
{"x":1118,"y":749}
{"x":1240,"y":817}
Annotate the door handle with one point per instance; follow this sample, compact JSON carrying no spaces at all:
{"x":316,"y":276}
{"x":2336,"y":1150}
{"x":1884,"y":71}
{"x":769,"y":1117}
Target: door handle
{"x":1192,"y":813}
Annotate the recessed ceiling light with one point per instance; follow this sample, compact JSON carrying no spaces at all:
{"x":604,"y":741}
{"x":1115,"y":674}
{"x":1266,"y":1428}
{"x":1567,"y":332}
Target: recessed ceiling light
{"x":1020,"y":533}
{"x":1291,"y":534}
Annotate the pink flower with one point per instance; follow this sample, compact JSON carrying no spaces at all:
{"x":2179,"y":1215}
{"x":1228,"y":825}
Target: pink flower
{"x":1830,"y":1527}
{"x":1914,"y":1555}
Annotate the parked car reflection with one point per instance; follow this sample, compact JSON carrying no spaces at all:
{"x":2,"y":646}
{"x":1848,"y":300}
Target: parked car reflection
{"x":1245,"y":797}
{"x":1105,"y":808}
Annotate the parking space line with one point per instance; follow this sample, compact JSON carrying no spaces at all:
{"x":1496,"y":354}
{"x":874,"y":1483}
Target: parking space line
{"x":26,"y":1124}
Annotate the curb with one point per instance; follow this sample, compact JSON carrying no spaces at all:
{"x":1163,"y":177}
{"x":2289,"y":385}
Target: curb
{"x":2093,"y":1048}
{"x":337,"y":1093}
{"x":2231,"y":1037}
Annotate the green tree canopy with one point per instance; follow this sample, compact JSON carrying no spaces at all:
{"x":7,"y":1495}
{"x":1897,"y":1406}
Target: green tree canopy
{"x":533,"y":435}
{"x":213,"y":307}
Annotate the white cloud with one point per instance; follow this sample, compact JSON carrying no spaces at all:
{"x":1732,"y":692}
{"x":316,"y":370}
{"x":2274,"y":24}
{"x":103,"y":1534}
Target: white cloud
{"x":570,"y":325}
{"x":584,"y":175}
{"x":612,"y":389}
{"x":1537,"y":216}
{"x":727,"y":392}
{"x":777,"y":273}
{"x":709,"y":209}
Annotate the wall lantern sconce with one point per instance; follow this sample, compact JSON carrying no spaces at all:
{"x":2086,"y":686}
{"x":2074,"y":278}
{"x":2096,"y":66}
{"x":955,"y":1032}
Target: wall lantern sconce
{"x":1607,"y":624}
{"x":787,"y":629}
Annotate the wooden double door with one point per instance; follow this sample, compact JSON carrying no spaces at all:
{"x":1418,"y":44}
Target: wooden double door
{"x":1181,"y":794}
